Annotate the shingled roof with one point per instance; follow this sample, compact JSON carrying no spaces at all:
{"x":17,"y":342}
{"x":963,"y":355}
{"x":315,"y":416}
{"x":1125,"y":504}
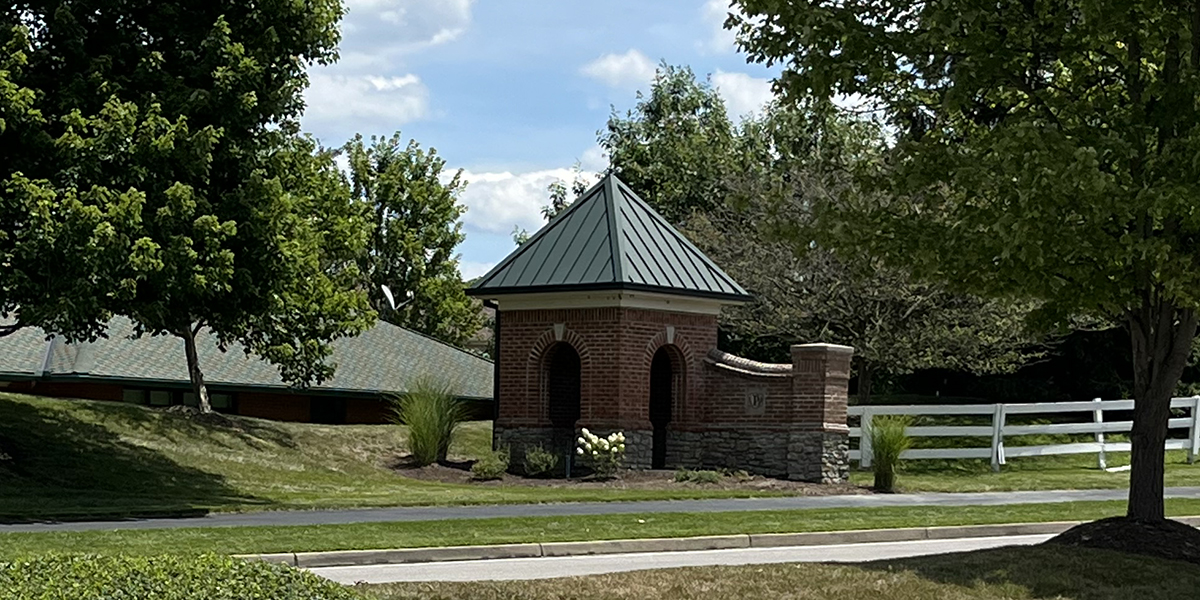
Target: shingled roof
{"x":385,"y":358}
{"x":609,"y":239}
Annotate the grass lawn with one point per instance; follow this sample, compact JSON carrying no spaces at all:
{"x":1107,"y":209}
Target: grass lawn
{"x":1031,"y":573}
{"x":80,"y":459}
{"x":255,"y":540}
{"x":1074,"y":472}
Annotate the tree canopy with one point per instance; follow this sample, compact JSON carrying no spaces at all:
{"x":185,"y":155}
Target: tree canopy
{"x":150,"y":166}
{"x":745,"y":194}
{"x":1043,"y":149}
{"x":415,"y":228}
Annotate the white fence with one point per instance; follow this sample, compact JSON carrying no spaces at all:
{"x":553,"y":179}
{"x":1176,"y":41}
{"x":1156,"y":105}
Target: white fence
{"x":1000,"y":429}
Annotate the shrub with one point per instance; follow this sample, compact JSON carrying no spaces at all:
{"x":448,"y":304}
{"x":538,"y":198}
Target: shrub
{"x":604,"y":455}
{"x":492,"y":465}
{"x":539,"y":461}
{"x":697,"y":476}
{"x":432,"y":413}
{"x":206,"y":577}
{"x":889,"y":438}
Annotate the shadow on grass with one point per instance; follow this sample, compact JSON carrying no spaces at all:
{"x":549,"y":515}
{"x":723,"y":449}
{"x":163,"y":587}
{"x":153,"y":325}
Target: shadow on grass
{"x":182,"y":425}
{"x":1047,"y":571}
{"x":60,"y":467}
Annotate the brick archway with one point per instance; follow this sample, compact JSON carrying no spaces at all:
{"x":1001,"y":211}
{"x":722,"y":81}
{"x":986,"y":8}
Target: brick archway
{"x":538,"y":369}
{"x":680,"y":354}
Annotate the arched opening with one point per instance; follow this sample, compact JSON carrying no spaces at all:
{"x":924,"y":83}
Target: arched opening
{"x":563,"y":383}
{"x":662,"y":395}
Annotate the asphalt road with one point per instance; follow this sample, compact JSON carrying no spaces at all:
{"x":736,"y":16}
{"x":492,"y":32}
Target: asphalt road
{"x":437,"y":513}
{"x":569,"y":566}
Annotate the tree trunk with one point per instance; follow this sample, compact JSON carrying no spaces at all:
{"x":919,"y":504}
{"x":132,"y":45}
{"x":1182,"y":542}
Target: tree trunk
{"x":864,"y":382}
{"x":194,"y":373}
{"x":1161,"y":334}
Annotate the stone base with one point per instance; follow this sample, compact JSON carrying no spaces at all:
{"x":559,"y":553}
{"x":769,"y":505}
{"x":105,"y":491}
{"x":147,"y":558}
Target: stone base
{"x":759,"y":452}
{"x":518,"y":439}
{"x":819,"y":456}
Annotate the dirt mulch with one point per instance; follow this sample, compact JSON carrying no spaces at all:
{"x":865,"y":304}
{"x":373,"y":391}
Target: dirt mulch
{"x":460,"y":472}
{"x":1163,"y":539}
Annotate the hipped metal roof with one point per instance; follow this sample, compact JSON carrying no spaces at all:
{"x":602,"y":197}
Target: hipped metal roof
{"x":609,"y":239}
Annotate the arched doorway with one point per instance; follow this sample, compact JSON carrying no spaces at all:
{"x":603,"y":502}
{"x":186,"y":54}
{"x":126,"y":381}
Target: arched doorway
{"x":563,"y":383}
{"x":662,"y":394}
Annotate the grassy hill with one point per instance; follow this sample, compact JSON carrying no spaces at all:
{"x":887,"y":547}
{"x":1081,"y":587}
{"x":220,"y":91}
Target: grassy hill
{"x":81,"y":458}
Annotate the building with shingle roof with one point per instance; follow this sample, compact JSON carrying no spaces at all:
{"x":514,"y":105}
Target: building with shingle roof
{"x":152,"y":370}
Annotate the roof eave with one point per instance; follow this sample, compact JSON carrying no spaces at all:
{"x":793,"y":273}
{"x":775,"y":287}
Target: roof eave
{"x":498,"y":292}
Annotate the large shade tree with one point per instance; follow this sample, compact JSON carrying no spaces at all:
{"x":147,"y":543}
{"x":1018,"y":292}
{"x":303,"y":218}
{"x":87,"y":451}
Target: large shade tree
{"x":1045,"y":149}
{"x":150,"y":166}
{"x":416,"y":226}
{"x":745,"y":192}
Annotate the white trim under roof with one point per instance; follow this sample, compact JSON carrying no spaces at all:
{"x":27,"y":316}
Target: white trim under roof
{"x":607,"y":299}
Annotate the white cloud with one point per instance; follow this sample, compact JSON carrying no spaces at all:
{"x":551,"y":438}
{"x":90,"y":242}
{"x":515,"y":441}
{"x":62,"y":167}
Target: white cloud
{"x":497,"y":202}
{"x":402,"y":26}
{"x":720,"y":39}
{"x":594,"y":159}
{"x":471,"y":269}
{"x":350,"y":100}
{"x":629,"y":70}
{"x":742,"y":93}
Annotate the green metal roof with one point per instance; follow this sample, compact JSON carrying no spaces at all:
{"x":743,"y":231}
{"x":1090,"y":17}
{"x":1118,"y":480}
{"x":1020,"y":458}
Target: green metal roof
{"x":385,"y":358}
{"x":609,"y":239}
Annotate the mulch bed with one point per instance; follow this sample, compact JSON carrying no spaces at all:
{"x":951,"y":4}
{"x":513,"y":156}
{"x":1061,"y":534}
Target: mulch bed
{"x":629,"y":479}
{"x":1163,"y":539}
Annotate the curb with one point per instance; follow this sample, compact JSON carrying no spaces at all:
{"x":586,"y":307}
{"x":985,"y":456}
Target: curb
{"x":345,"y":558}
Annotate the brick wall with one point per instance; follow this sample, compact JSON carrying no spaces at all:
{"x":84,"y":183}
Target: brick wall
{"x":724,"y":410}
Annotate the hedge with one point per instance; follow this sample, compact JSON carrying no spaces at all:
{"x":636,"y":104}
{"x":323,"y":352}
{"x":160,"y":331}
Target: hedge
{"x":207,"y":577}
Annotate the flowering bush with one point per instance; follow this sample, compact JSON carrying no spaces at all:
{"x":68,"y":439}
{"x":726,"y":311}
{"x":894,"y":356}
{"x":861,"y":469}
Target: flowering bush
{"x":603,"y":454}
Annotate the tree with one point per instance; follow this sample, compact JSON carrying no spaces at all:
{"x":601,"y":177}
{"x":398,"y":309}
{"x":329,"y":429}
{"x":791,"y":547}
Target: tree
{"x":744,"y":195}
{"x":151,"y":167}
{"x":415,"y":227}
{"x":1044,"y":150}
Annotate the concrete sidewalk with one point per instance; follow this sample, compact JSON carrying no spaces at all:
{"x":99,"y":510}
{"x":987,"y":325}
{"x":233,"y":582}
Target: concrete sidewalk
{"x":423,"y":513}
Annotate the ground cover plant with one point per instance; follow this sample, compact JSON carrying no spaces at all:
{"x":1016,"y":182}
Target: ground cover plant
{"x":207,"y":577}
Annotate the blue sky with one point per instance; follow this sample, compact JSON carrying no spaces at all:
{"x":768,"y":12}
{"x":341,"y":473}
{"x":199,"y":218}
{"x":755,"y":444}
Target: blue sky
{"x":513,"y":92}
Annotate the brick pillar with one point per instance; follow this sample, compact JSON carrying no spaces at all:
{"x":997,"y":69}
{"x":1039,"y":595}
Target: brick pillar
{"x":819,"y":442}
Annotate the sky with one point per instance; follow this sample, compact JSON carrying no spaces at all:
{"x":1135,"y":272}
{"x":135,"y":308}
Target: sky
{"x":514,"y":92}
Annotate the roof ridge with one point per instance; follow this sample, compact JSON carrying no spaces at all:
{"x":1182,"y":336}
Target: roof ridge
{"x":615,"y":239}
{"x":687,"y":244}
{"x":538,"y":235}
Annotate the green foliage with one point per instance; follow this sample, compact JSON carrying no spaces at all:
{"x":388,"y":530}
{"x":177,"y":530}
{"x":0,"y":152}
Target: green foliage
{"x":415,"y":227}
{"x":207,"y":577}
{"x":1043,"y":150}
{"x":432,"y":412}
{"x":745,"y":195}
{"x":697,"y":476}
{"x":889,"y":438}
{"x":491,"y":466}
{"x":167,"y":182}
{"x":540,"y":462}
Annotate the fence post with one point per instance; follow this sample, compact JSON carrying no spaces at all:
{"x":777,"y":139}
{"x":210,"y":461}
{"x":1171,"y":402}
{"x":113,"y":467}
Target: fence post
{"x":1098,"y":418}
{"x":998,"y":437}
{"x":1194,"y":431}
{"x":866,"y":452}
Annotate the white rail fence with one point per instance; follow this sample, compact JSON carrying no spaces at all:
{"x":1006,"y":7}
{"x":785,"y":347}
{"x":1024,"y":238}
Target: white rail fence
{"x":1000,"y":429}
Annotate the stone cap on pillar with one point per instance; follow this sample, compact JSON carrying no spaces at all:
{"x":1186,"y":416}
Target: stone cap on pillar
{"x":830,"y":348}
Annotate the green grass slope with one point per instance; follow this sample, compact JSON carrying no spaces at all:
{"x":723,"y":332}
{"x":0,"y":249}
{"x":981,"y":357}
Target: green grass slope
{"x":80,"y":459}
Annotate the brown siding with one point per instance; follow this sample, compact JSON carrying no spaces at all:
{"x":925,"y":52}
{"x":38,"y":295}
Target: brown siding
{"x":281,"y":407}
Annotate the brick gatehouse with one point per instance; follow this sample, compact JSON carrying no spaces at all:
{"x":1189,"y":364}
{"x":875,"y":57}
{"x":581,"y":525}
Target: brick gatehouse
{"x":607,"y":319}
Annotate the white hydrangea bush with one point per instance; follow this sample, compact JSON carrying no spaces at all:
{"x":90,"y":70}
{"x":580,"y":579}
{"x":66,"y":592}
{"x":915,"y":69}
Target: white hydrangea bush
{"x":604,"y":454}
